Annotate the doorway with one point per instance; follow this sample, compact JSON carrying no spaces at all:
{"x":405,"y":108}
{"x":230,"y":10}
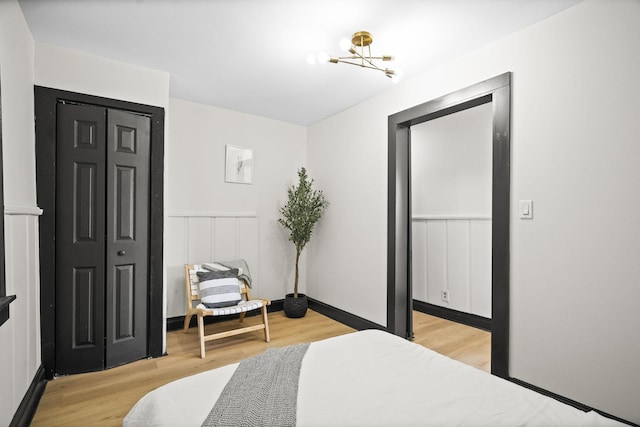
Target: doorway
{"x":99,"y":182}
{"x":496,"y":91}
{"x":451,"y":176}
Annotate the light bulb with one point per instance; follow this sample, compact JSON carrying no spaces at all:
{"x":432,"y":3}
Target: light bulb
{"x":397,"y":76}
{"x":323,"y":57}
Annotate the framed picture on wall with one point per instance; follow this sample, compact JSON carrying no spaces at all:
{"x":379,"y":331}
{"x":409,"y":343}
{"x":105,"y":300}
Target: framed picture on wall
{"x":238,"y":165}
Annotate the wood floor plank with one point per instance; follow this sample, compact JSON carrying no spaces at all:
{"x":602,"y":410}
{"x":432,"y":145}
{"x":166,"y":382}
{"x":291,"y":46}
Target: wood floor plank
{"x":104,"y":398}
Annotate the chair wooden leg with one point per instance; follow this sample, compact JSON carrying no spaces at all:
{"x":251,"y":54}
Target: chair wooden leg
{"x":187,"y":321}
{"x":265,"y":320}
{"x":242,"y":316}
{"x":201,"y":334}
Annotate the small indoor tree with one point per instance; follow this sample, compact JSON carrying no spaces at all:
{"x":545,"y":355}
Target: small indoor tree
{"x":303,"y":210}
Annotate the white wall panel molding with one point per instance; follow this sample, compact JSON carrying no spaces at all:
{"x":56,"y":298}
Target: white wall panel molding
{"x":20,"y":349}
{"x":201,"y":237}
{"x":450,"y":217}
{"x":212,"y":214}
{"x":22,"y":210}
{"x":453,"y":253}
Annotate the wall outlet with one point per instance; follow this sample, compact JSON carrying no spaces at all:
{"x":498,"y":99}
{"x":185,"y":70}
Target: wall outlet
{"x":444,"y":294}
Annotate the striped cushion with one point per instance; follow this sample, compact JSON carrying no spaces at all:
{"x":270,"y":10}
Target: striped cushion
{"x":219,"y":288}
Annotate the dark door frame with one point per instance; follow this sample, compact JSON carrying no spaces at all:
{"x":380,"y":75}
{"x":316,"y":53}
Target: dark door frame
{"x":45,"y":116}
{"x":496,"y":90}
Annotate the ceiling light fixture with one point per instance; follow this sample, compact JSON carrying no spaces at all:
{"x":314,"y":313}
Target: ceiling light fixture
{"x":360,"y":50}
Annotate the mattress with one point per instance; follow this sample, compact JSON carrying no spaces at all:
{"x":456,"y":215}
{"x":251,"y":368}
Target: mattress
{"x":373,"y":378}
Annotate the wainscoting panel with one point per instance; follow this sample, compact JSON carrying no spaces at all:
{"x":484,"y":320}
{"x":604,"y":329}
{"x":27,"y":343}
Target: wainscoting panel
{"x":20,"y":335}
{"x":458,"y":274}
{"x":193,"y":238}
{"x":419,"y":252}
{"x":248,"y":237}
{"x":435,"y":262}
{"x":453,"y":253}
{"x":225,"y":239}
{"x":200,"y":238}
{"x":480,"y":268}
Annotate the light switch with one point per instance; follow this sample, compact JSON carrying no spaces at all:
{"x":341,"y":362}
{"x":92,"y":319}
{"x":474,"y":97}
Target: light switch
{"x":526,"y":209}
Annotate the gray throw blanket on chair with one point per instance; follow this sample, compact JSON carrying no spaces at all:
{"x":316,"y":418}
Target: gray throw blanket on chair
{"x":239,"y":263}
{"x":262,"y":392}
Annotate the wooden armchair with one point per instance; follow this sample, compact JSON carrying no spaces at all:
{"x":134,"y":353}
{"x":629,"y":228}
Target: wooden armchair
{"x":197,"y":308}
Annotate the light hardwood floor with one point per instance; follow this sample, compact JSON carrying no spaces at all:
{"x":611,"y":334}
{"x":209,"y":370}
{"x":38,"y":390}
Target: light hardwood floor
{"x":464,"y":343}
{"x":104,"y":398}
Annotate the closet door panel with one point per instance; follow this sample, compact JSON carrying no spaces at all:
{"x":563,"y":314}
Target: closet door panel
{"x":80,"y":238}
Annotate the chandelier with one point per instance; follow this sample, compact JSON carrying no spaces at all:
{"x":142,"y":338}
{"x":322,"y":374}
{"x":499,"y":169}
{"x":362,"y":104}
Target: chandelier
{"x":361,"y":56}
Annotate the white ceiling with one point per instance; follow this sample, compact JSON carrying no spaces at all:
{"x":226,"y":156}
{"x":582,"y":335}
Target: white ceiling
{"x":251,"y":55}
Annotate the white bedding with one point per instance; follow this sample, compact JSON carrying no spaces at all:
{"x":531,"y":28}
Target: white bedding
{"x":373,"y":378}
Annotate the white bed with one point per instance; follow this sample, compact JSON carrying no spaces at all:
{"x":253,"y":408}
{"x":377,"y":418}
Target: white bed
{"x":373,"y":378}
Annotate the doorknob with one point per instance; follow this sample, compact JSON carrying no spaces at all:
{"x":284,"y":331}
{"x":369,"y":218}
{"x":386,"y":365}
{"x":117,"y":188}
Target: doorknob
{"x":120,"y":253}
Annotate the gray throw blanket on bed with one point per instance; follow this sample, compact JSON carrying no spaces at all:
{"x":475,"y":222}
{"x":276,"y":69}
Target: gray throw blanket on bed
{"x":262,"y":392}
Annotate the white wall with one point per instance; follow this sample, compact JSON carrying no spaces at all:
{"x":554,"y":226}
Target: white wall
{"x":71,"y":70}
{"x":451,"y":159}
{"x":347,"y":255}
{"x":575,"y":152}
{"x":210,"y":219}
{"x":20,"y":335}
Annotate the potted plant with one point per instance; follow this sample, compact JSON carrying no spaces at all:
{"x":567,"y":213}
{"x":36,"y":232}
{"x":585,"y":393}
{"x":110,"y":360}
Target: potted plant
{"x":304,"y":208}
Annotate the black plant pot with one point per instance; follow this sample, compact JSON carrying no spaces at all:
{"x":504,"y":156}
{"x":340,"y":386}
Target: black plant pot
{"x":295,"y":307}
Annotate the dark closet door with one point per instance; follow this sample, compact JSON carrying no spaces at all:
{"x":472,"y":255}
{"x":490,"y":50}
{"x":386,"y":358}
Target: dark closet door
{"x":127,"y":236}
{"x":80,"y":239}
{"x":102,"y":199}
